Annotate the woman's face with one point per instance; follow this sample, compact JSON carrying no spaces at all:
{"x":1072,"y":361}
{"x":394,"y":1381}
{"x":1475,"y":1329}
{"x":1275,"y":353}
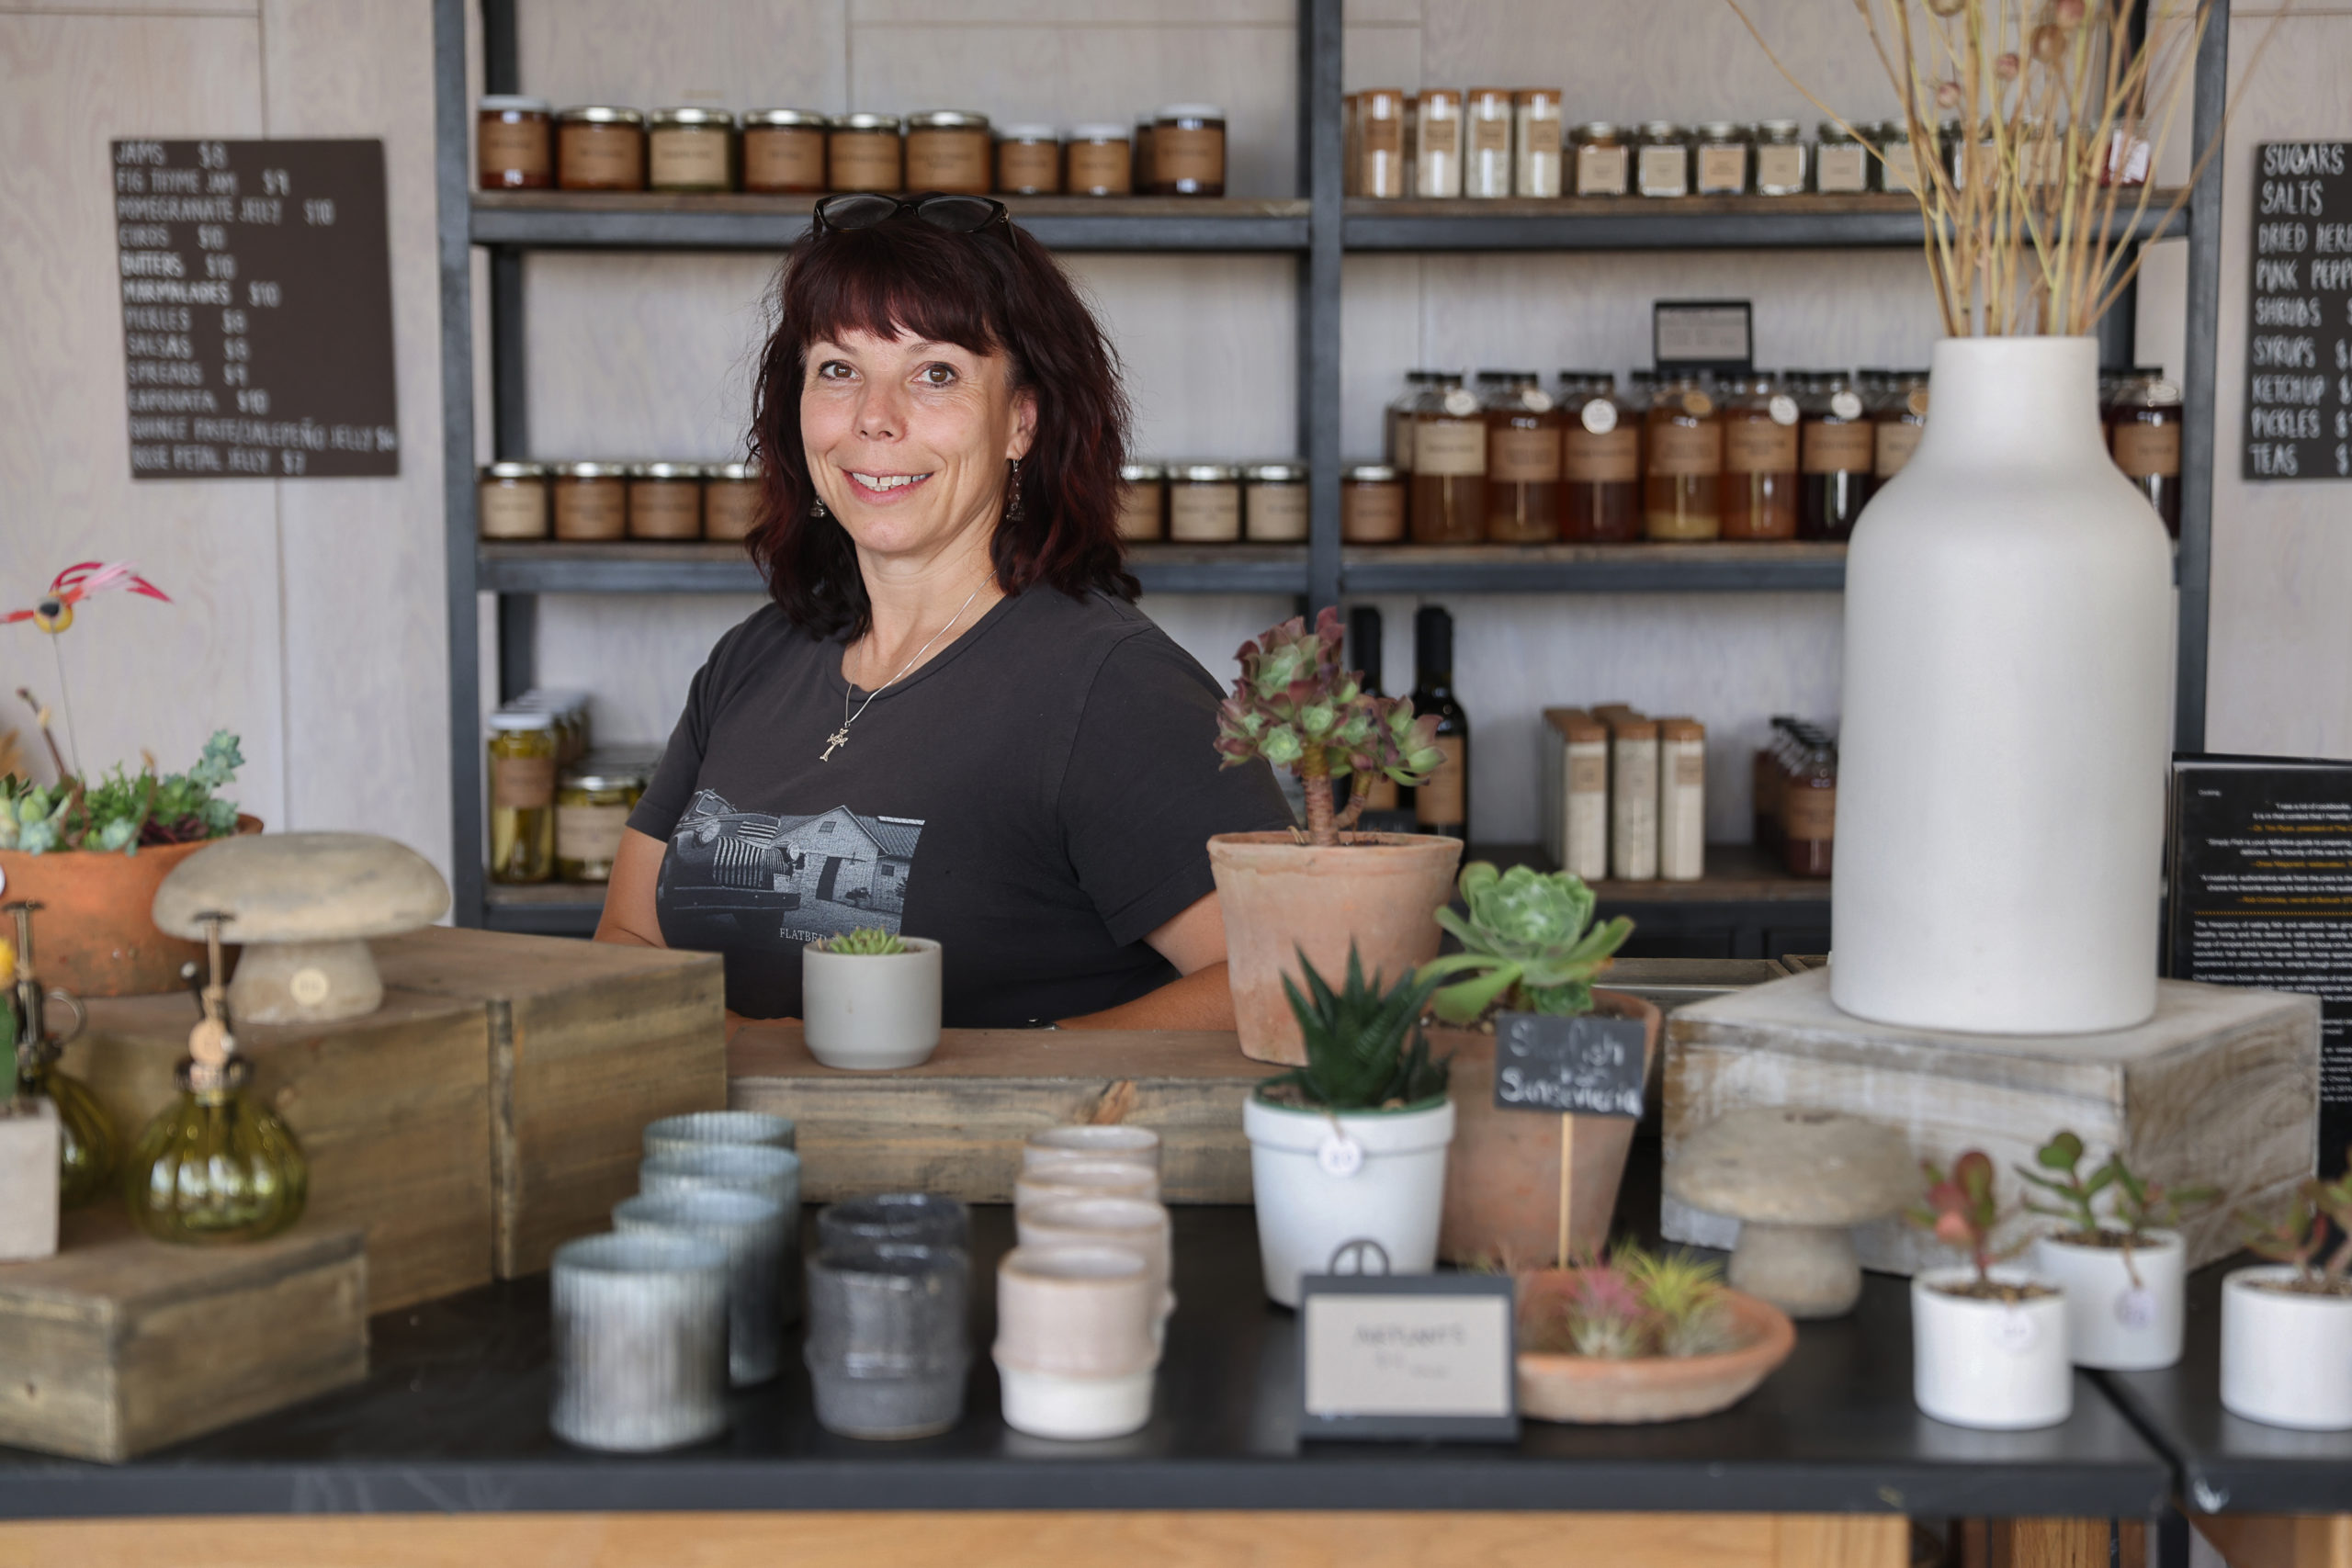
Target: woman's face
{"x":908,"y":441}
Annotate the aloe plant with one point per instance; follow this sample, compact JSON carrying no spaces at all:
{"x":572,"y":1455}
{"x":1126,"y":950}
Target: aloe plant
{"x":1525,"y":945}
{"x":1364,"y":1048}
{"x":868,"y":941}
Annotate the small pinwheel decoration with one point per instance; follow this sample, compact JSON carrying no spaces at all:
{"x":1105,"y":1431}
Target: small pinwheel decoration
{"x":54,"y":612}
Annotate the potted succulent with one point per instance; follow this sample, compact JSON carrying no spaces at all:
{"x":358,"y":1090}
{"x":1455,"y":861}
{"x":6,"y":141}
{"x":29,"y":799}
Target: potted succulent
{"x":1320,"y":891}
{"x":1642,"y":1337}
{"x":1988,"y":1343}
{"x":1347,"y":1151}
{"x":2122,"y":1272}
{"x":870,"y":999}
{"x":1529,"y":944}
{"x":2287,"y":1324}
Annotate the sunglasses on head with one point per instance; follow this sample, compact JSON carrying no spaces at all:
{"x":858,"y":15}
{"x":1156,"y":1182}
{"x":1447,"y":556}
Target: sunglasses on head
{"x":954,"y":214}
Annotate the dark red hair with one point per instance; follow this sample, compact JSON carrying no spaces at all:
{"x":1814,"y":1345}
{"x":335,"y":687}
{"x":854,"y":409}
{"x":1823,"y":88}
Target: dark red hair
{"x":996,"y":291}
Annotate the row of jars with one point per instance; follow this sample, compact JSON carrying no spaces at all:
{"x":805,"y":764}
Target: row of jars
{"x":590,"y":501}
{"x":522,"y":143}
{"x":1758,"y":456}
{"x":1215,"y":502}
{"x":557,"y":809}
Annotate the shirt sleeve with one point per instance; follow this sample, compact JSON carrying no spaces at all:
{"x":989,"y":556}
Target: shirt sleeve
{"x":672,"y":788}
{"x":1145,"y":789}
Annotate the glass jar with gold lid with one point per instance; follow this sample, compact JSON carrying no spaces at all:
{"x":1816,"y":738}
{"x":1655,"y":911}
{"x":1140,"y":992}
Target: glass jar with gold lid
{"x":1604,"y":161}
{"x":513,"y":500}
{"x":1682,"y":482}
{"x":522,"y":762}
{"x":1662,"y":159}
{"x":783,"y":150}
{"x":592,"y":801}
{"x":862,"y":152}
{"x":730,"y":499}
{"x":1143,"y":500}
{"x":600,"y":147}
{"x":690,"y":150}
{"x":947,"y":150}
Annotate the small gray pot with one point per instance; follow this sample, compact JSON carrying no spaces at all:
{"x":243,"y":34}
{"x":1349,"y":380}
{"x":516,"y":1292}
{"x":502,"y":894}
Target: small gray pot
{"x":674,"y":1133}
{"x":904,"y":1219}
{"x":871,"y":1011}
{"x":640,"y":1341}
{"x":888,"y":1346}
{"x":752,"y":1229}
{"x":770,"y":1173}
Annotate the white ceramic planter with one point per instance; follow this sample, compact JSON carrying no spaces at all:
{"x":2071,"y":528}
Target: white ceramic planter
{"x":1323,"y":1181}
{"x":2007,"y":680}
{"x":1989,"y":1363}
{"x":2114,"y":1322}
{"x":1049,"y":1404}
{"x":2286,"y":1359}
{"x":871,"y":1011}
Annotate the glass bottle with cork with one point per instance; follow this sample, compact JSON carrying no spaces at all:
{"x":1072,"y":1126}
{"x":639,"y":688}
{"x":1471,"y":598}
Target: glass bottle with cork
{"x":1600,"y":461}
{"x":1809,"y":804}
{"x":1449,"y":465}
{"x":1682,"y":483}
{"x":1487,"y":162}
{"x":1838,"y":455}
{"x":1441,"y":803}
{"x":1759,"y":482}
{"x":1437,"y":143}
{"x":1523,"y":459}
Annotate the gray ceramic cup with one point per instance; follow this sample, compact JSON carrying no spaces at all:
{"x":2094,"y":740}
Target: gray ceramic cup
{"x":770,"y":1173}
{"x":640,"y":1341}
{"x":674,"y":1132}
{"x":904,"y":1219}
{"x":888,"y":1345}
{"x":752,"y":1229}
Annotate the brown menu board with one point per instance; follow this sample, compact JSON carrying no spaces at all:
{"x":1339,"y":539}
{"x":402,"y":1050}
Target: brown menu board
{"x":2299,"y":321}
{"x":256,"y":308}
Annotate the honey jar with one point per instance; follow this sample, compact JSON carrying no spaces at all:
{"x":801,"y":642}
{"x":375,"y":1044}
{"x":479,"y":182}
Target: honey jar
{"x":1522,"y":458}
{"x":1029,"y":161}
{"x":784,"y":152}
{"x":513,"y":143}
{"x":666,"y":500}
{"x":1760,"y":441}
{"x":590,"y":501}
{"x":1188,"y":150}
{"x":947,"y":150}
{"x":600,"y":148}
{"x":1682,"y":482}
{"x":863,"y":152}
{"x":690,"y":150}
{"x":1100,"y":160}
{"x":1600,"y":461}
{"x":513,"y":501}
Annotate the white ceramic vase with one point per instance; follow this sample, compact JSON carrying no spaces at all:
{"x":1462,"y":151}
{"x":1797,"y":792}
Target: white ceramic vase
{"x":1324,"y":1182}
{"x":1993,"y":1364}
{"x":871,"y":1011}
{"x":2115,"y":1322}
{"x":2007,"y":714}
{"x":2286,"y":1358}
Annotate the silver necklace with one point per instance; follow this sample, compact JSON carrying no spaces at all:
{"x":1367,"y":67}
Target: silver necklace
{"x":840,"y":738}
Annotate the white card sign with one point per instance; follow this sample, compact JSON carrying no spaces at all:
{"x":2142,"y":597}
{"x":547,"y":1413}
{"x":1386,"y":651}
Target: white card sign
{"x":1396,"y":1357}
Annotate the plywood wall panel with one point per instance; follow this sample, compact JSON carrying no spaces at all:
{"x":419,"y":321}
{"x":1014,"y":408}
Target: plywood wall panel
{"x":732,"y":53}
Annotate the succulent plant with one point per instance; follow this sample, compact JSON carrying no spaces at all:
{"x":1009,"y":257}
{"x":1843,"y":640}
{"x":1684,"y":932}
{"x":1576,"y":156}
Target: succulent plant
{"x":2137,"y":1205}
{"x":1685,"y":1296}
{"x":867,"y":942}
{"x":1364,"y":1049}
{"x":122,"y":811}
{"x":2297,"y":1232}
{"x":1295,"y":706}
{"x":1606,"y":1317}
{"x":1525,"y":945}
{"x":1962,"y":1210}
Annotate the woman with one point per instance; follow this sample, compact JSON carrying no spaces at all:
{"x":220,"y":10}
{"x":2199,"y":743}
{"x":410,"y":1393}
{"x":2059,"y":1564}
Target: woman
{"x":952,"y":721}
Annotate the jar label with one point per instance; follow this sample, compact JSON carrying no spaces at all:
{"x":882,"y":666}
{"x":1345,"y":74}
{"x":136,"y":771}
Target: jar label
{"x":665,"y":509}
{"x":1599,"y":416}
{"x":1031,"y":166}
{"x":1831,"y":448}
{"x":1460,"y":403}
{"x":2016,"y":1331}
{"x":1809,"y":811}
{"x":602,"y":157}
{"x":1139,"y":512}
{"x":1689,"y":764}
{"x":1276,"y":512}
{"x":1204,"y":513}
{"x":590,"y":509}
{"x":1779,"y":170}
{"x":1897,"y":167}
{"x":1383,"y":137}
{"x":784,"y":158}
{"x":953,"y":160}
{"x":687,"y":156}
{"x":1188,"y":155}
{"x":1339,"y":1155}
{"x":514,"y":509}
{"x":1400,"y":440}
{"x":1454,"y":447}
{"x":1759,"y":447}
{"x":730,"y":508}
{"x":1371,"y":514}
{"x":1535,"y":400}
{"x":1438,"y":802}
{"x":1845,"y":405}
{"x":1608,"y":457}
{"x":1686,"y":450}
{"x":1101,"y":168}
{"x":1588,"y":769}
{"x":2135,"y":1308}
{"x":863,"y":160}
{"x":1490,"y":136}
{"x":590,"y":834}
{"x":1841,"y":168}
{"x":1601,"y":171}
{"x":1722,"y":171}
{"x":1523,"y":456}
{"x":1896,"y":441}
{"x":522,"y":784}
{"x":508,"y":146}
{"x":2145,"y":451}
{"x":1665,"y":170}
{"x":1443,"y":137}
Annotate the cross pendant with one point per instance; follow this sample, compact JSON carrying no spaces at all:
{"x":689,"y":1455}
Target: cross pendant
{"x":833,"y":742}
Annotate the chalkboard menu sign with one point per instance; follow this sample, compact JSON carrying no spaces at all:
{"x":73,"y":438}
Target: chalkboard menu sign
{"x":2261,"y":895}
{"x":256,"y":308}
{"x":2299,"y":336}
{"x":1585,"y":1064}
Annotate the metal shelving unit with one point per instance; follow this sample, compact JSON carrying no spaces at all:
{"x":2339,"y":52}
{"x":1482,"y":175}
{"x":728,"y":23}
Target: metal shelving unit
{"x":1318,"y":228}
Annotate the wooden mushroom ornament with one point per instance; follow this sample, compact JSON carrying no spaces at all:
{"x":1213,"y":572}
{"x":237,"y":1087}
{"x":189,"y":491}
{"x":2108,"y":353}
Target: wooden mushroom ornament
{"x":303,"y":906}
{"x":1798,"y":1180}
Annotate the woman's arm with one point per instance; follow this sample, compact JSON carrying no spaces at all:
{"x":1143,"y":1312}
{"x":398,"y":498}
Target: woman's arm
{"x":629,"y":917}
{"x":1201,"y":999}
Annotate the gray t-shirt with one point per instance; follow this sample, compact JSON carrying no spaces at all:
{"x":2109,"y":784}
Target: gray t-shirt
{"x":1037,"y":798}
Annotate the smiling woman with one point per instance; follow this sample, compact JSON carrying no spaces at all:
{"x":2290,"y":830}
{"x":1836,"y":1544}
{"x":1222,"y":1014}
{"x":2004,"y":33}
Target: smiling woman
{"x":952,"y":722}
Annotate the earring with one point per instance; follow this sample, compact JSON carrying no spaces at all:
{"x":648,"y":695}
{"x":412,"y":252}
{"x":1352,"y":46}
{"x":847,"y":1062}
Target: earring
{"x":1013,"y":503}
{"x":816,"y":506}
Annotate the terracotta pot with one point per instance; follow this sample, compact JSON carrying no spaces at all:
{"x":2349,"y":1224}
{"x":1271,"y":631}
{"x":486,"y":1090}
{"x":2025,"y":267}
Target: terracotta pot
{"x":1562,"y":1387}
{"x":96,"y":935}
{"x":1502,"y":1178}
{"x":1381,"y":891}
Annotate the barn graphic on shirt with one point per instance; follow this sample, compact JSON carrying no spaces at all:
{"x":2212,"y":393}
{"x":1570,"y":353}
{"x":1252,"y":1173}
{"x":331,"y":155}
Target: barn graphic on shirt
{"x":798,"y":878}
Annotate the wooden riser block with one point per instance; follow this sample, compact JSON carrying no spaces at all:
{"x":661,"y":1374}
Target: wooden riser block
{"x":955,"y":1125}
{"x":120,"y":1344}
{"x":588,"y":1042}
{"x":2221,"y":1086}
{"x":392,"y":1111}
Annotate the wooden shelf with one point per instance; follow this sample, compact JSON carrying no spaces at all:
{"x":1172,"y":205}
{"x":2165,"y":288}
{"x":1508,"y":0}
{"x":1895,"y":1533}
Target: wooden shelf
{"x":521,"y":566}
{"x":654,"y":221}
{"x":1791,"y":566}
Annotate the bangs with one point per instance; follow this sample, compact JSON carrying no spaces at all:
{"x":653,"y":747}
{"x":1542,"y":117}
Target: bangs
{"x":896,"y":280}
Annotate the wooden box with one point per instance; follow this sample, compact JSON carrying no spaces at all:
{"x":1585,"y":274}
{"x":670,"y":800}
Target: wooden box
{"x":118,"y":1344}
{"x":2222,"y":1085}
{"x":392,"y":1109}
{"x":956,"y":1123}
{"x":588,"y":1042}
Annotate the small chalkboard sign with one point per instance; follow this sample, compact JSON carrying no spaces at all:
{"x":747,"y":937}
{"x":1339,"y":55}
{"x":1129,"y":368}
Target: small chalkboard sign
{"x":1587,"y":1065}
{"x":2298,"y":310}
{"x":256,"y":308}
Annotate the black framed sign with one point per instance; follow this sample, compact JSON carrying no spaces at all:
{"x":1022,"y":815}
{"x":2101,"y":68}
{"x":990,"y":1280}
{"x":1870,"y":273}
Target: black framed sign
{"x":1398,"y":1357}
{"x":2299,"y":314}
{"x":1716,"y":336}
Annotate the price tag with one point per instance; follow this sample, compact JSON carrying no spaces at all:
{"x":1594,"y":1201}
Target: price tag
{"x":1586,"y":1066}
{"x":1407,"y":1358}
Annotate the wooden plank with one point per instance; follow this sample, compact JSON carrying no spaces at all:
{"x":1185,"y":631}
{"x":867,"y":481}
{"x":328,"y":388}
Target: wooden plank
{"x":588,"y":1042}
{"x":2279,"y":1540}
{"x":1205,"y":1538}
{"x":120,"y":1344}
{"x":2055,"y":1543}
{"x":392,"y":1111}
{"x":954,"y":1124}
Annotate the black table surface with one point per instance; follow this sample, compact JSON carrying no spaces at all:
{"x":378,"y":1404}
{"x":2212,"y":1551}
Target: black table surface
{"x":454,"y":1417}
{"x":2228,"y":1463}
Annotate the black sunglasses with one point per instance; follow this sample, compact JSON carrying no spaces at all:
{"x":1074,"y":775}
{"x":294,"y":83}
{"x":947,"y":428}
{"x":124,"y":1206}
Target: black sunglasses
{"x":954,"y":214}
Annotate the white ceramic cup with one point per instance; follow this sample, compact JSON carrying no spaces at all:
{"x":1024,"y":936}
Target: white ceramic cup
{"x":871,"y":1012}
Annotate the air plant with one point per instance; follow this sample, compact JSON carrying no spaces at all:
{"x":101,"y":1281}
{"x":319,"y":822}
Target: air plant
{"x":1364,"y":1047}
{"x":1605,"y":1314}
{"x":1685,"y":1296}
{"x":1638,"y":1304}
{"x":1962,"y":1210}
{"x":1525,"y":945}
{"x":2298,"y":1233}
{"x":1296,"y":706}
{"x":870,"y":941}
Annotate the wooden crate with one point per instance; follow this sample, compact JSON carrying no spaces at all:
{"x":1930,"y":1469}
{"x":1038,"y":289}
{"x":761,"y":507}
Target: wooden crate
{"x":118,"y":1344}
{"x":956,"y":1123}
{"x":392,"y":1109}
{"x":588,"y":1042}
{"x":2222,"y":1085}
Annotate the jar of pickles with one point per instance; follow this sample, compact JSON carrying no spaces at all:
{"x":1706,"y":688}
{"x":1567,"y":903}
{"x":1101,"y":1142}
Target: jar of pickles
{"x":1682,"y":484}
{"x":592,"y":805}
{"x":1449,"y":465}
{"x":1760,"y":441}
{"x":522,"y":766}
{"x":2143,"y":419}
{"x":1603,"y":161}
{"x":1522,"y":458}
{"x":1837,"y":458}
{"x":1600,"y":461}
